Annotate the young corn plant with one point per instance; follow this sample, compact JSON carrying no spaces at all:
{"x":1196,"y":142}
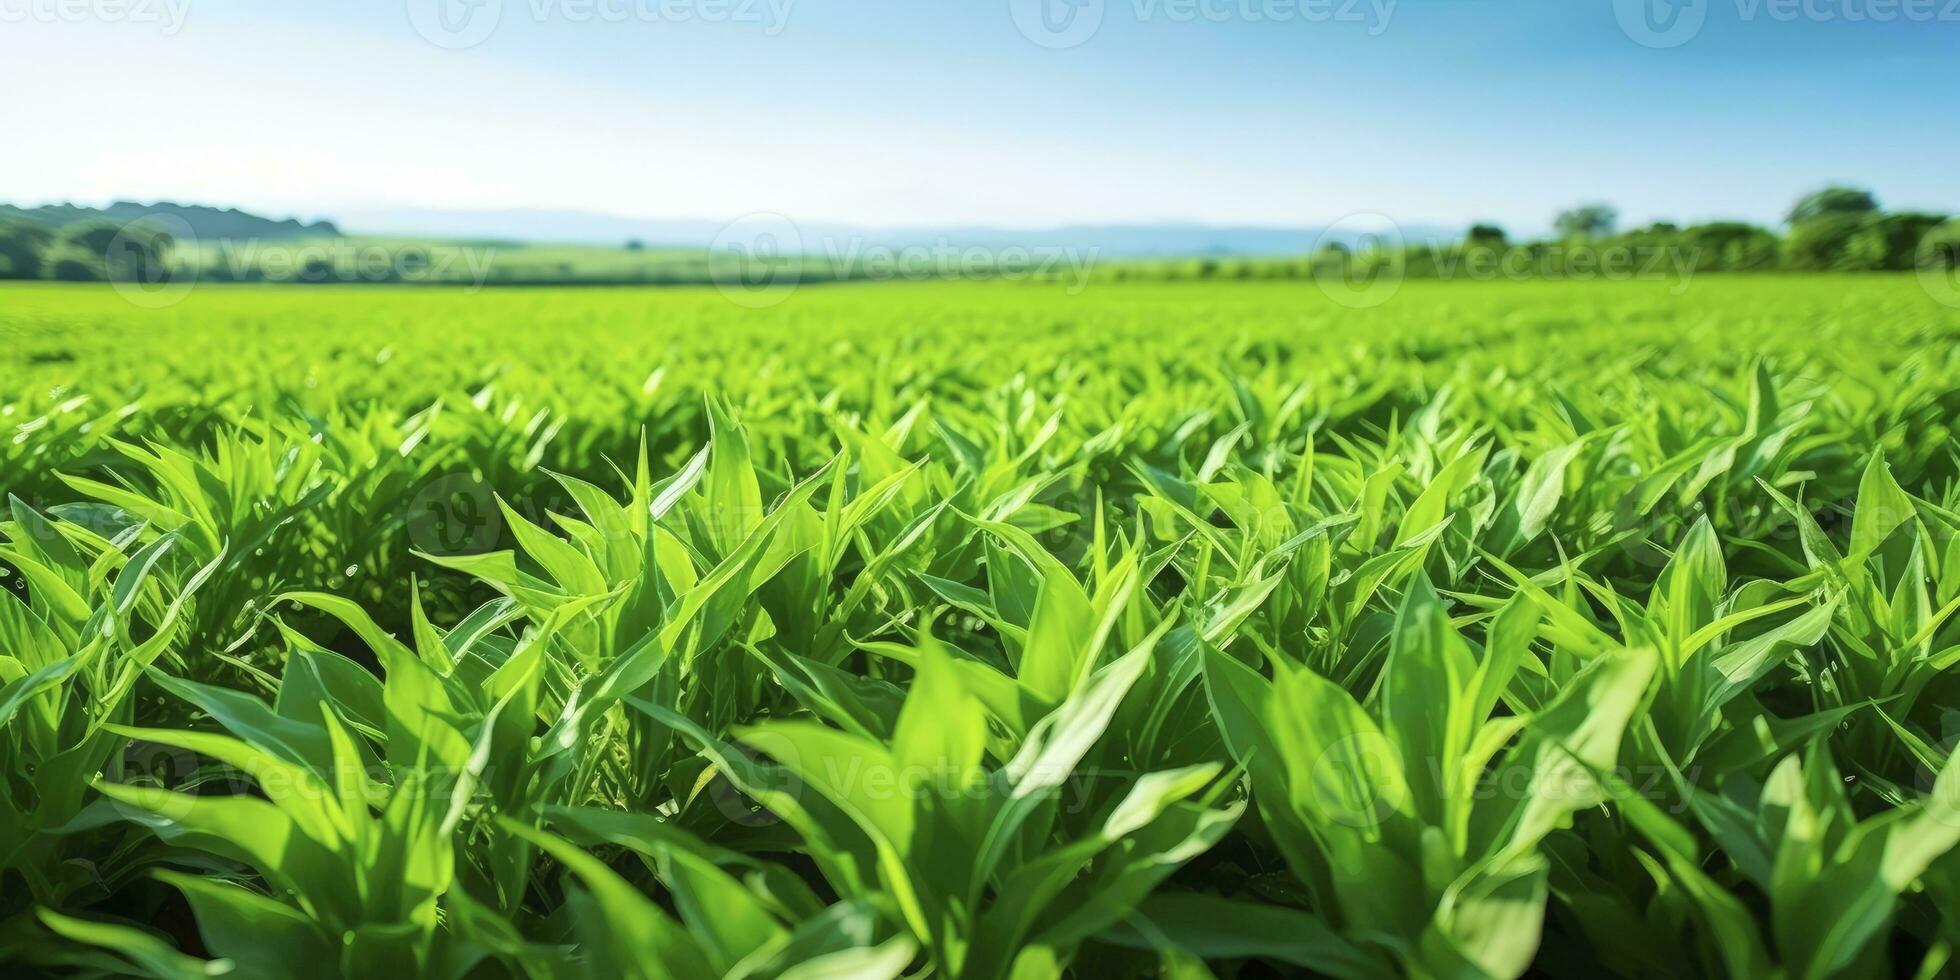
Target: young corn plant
{"x":1386,"y":811}
{"x":97,"y":613}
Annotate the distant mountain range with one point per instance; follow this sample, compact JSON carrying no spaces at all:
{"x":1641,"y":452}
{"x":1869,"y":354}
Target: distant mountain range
{"x":205,"y":222}
{"x":589,"y":228}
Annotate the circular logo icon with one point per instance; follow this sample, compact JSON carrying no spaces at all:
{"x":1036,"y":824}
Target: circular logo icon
{"x":757,"y":260}
{"x":774,"y":778}
{"x":1347,"y":794}
{"x":1661,"y":24}
{"x":1358,"y":261}
{"x":1057,"y":24}
{"x":1938,"y":264}
{"x":455,"y":24}
{"x":1940,"y":796}
{"x":1634,"y":529}
{"x":153,"y":261}
{"x":455,"y":515}
{"x":153,"y":765}
{"x":1066,"y":527}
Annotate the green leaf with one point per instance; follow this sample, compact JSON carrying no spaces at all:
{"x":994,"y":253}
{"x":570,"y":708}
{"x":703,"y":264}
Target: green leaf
{"x":153,"y":955}
{"x":634,"y":934}
{"x":1059,"y":637}
{"x":1882,"y":507}
{"x":1224,"y":929}
{"x":261,"y":936}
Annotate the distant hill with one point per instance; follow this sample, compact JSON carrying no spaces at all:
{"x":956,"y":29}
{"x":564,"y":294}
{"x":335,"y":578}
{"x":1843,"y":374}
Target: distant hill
{"x":209,"y":224}
{"x":1111,"y":241}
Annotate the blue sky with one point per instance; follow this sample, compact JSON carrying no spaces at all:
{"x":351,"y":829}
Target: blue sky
{"x":934,"y":112}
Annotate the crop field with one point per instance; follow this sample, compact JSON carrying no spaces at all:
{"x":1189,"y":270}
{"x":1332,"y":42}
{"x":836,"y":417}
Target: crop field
{"x":982,"y":630}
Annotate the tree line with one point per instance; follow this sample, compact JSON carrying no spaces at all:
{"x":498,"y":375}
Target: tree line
{"x":1836,"y":229}
{"x":85,"y":251}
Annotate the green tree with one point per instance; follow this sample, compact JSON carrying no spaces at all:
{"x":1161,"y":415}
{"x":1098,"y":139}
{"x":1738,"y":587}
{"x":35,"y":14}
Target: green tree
{"x":1821,"y":242}
{"x":1832,"y":201}
{"x":23,"y":248}
{"x":93,"y":237}
{"x":71,"y":269}
{"x":76,"y":254}
{"x":1587,"y":221}
{"x":1888,"y":241}
{"x":1733,"y":246}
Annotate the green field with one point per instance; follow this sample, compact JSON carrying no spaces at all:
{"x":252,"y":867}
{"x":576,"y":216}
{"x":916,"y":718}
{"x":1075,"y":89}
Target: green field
{"x":979,"y":630}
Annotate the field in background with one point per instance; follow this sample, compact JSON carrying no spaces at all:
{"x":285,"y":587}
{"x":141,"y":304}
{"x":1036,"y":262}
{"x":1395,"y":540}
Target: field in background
{"x":368,"y":260}
{"x":358,"y":260}
{"x":991,"y":628}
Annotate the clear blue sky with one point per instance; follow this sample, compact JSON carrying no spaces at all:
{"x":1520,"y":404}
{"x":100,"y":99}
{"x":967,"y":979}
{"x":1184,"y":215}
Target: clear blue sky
{"x":932,"y":112}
